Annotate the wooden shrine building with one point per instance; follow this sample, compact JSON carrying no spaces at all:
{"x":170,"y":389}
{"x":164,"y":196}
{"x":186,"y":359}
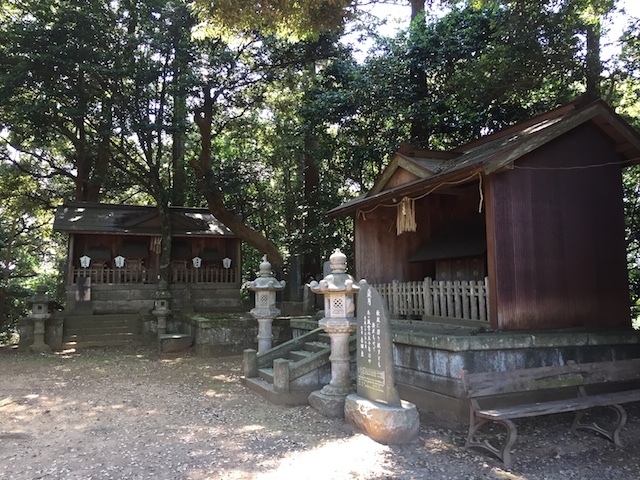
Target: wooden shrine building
{"x":537,"y":209}
{"x":526,"y":226}
{"x":114,"y":253}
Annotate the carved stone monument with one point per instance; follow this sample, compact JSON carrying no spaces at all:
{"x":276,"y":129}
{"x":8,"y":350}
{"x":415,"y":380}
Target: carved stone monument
{"x":376,"y":408}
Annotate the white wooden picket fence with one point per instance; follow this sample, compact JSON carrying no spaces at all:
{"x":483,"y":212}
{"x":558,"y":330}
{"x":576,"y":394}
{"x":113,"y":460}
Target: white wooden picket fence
{"x":455,"y":299}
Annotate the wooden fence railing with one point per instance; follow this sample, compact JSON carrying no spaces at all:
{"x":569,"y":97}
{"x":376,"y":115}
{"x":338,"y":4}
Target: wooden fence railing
{"x":455,"y":299}
{"x":204,"y":275}
{"x":116,"y":275}
{"x":148,"y":275}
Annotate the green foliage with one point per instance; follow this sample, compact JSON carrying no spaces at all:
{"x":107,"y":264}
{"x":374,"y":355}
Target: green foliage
{"x":97,"y":102}
{"x":27,"y":249}
{"x":58,"y":61}
{"x":300,"y":19}
{"x":631,"y":186}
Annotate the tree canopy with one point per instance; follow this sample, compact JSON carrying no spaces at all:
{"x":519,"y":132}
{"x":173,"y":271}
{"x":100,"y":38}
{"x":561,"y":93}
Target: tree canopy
{"x":263,"y":112}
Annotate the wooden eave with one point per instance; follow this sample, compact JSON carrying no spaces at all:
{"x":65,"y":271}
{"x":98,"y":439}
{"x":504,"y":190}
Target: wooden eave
{"x":398,"y":161}
{"x":626,"y":139}
{"x":94,"y":218}
{"x":555,"y":113}
{"x":393,"y":196}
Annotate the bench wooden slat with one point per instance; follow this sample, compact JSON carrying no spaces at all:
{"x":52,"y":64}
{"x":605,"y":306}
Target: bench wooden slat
{"x":483,"y":388}
{"x":560,"y":406}
{"x":530,"y":379}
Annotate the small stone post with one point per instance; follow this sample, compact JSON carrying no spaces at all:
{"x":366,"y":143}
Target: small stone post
{"x":265,"y":288}
{"x":339,"y":322}
{"x":161,"y":310}
{"x":41,"y":304}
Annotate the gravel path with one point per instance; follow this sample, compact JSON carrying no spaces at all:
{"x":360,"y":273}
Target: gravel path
{"x":129,"y":414}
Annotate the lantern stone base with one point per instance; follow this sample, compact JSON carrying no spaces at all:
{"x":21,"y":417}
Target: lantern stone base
{"x":382,"y":423}
{"x":38,"y":344}
{"x":174,"y":342}
{"x":331,"y":406}
{"x":39,"y":347}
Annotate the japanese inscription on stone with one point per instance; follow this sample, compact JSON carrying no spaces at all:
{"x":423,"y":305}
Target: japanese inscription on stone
{"x":376,"y":379}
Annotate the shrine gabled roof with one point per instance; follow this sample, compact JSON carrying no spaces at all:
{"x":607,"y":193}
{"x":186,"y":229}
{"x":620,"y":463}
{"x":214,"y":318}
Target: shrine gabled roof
{"x":492,"y":153}
{"x":416,"y":163}
{"x":86,"y":217}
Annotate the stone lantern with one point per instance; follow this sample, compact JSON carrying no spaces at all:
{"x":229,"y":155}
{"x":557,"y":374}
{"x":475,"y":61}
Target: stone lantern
{"x":265,"y":288}
{"x":41,"y":310}
{"x":339,"y":289}
{"x":161,"y":304}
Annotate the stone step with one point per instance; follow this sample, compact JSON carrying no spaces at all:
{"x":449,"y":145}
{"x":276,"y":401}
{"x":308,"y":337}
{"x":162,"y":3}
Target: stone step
{"x":91,"y":329}
{"x":266,"y":374}
{"x":315,"y":355}
{"x":106,"y":342}
{"x":81,"y":331}
{"x":316,"y":346}
{"x":101,"y":318}
{"x":325,"y":338}
{"x":102,"y":325}
{"x":291,"y":398}
{"x":91,"y":337}
{"x":297,"y":355}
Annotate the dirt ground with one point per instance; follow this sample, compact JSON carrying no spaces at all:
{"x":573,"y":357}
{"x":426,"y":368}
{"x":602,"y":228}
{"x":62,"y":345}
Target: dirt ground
{"x":130,"y":414}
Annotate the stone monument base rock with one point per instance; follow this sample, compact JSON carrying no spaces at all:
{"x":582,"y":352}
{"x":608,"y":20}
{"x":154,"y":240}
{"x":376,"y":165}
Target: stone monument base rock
{"x":382,"y":423}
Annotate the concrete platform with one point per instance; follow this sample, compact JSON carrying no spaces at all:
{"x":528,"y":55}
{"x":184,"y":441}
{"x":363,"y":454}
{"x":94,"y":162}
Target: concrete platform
{"x":429,"y":356}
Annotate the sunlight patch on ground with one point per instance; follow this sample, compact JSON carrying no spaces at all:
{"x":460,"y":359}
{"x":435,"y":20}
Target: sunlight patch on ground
{"x":334,"y":459}
{"x":502,"y":475}
{"x":65,"y":353}
{"x":173,"y":361}
{"x":223,"y":378}
{"x":250,"y":428}
{"x":436,"y":445}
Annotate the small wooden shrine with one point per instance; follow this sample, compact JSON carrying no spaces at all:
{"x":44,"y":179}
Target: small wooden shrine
{"x":114,"y":255}
{"x":537,"y":209}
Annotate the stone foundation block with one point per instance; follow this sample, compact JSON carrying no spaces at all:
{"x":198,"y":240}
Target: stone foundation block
{"x":382,"y":423}
{"x":174,"y":342}
{"x":331,"y":406}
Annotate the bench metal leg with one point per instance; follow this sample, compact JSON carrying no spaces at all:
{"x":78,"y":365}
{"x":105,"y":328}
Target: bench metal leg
{"x":613,"y":434}
{"x":503,"y":453}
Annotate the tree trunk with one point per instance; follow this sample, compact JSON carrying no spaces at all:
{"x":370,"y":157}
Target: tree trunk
{"x":211,"y":191}
{"x":310,"y":248}
{"x":92,"y":169}
{"x":6,"y":276}
{"x":593,"y":62}
{"x":164,"y":272}
{"x":311,"y":177}
{"x":419,"y":127}
{"x":180,"y":67}
{"x":100,"y":171}
{"x":178,"y":192}
{"x":3,"y":307}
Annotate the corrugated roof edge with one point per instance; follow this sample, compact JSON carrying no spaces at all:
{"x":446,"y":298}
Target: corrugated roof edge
{"x":478,"y":158}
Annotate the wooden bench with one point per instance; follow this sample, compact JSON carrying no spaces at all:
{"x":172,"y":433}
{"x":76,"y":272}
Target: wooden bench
{"x":484,"y":391}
